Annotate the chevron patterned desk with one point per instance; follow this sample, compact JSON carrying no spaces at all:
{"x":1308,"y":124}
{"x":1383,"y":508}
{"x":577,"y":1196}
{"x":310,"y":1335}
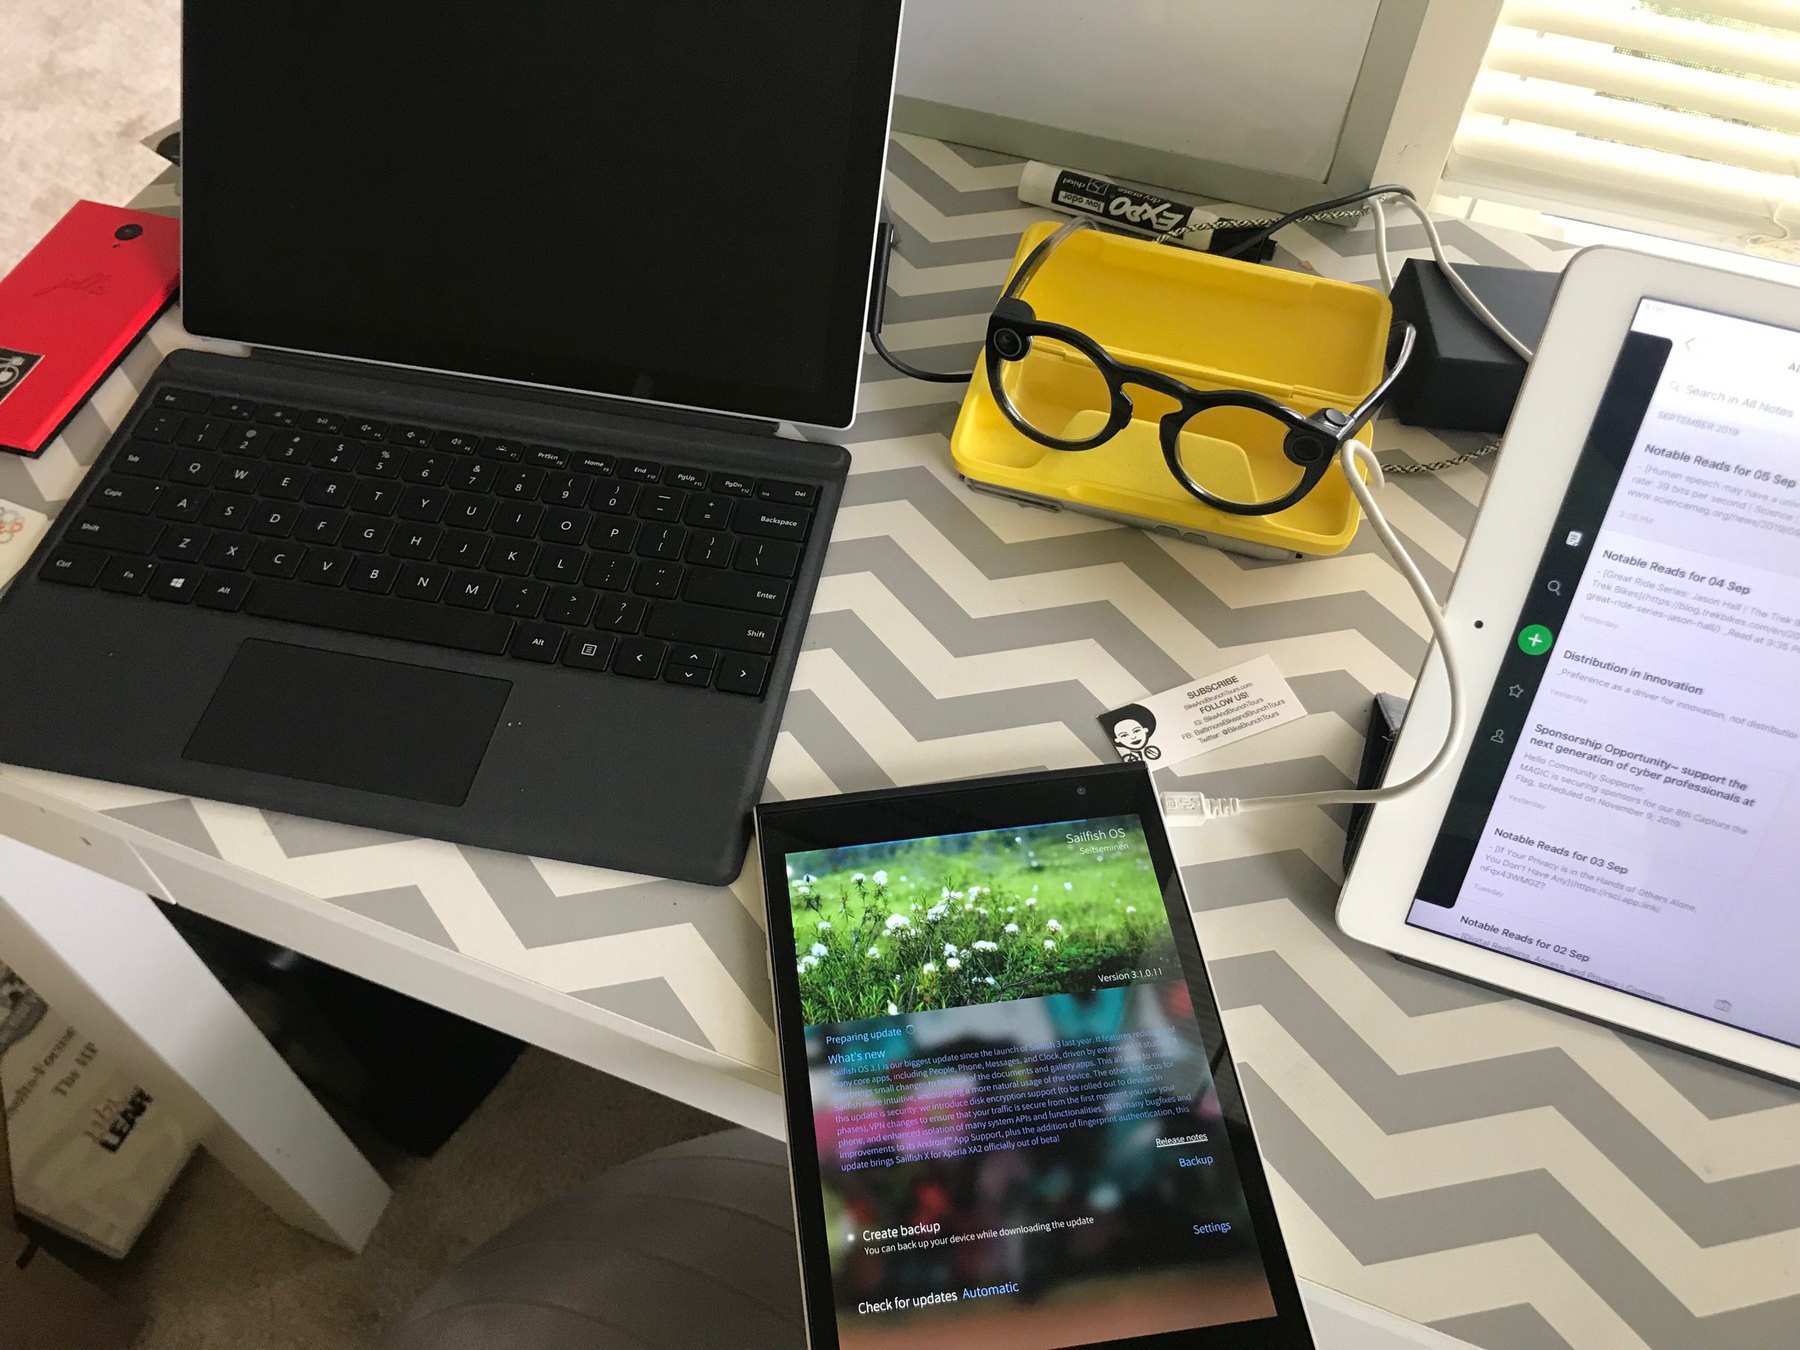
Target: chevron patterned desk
{"x":1504,"y":1173}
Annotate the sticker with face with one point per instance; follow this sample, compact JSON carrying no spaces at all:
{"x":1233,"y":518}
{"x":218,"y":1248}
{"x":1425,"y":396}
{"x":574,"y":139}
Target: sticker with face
{"x":1131,"y":729}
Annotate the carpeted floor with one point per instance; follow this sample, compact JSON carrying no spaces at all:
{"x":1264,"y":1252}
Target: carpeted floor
{"x":81,"y":83}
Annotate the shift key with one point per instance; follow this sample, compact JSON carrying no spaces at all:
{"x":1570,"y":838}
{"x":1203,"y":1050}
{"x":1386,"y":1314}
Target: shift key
{"x":111,"y":530}
{"x":706,"y":627}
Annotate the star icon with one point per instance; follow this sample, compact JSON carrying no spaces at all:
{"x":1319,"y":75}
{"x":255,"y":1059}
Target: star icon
{"x":1516,"y":691}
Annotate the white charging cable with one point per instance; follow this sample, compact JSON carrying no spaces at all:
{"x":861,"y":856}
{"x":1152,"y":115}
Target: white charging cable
{"x":1353,"y":453}
{"x":1451,"y":275}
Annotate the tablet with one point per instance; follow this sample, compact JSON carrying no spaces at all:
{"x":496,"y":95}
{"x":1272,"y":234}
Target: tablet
{"x":1621,"y":833}
{"x":1012,"y":1116}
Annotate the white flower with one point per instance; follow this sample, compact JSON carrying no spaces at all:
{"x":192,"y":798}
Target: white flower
{"x":802,"y":889}
{"x":1018,"y":839}
{"x":881,"y":878}
{"x":937,"y":911}
{"x":953,"y":964}
{"x":946,"y":893}
{"x":874,"y":953}
{"x":949,"y":949}
{"x":1031,"y":899}
{"x":1131,"y":909}
{"x":1068,"y":885}
{"x":801,"y":965}
{"x":895,"y":922}
{"x":1049,"y":946}
{"x":893,"y":1010}
{"x":1012,"y":927}
{"x":989,"y":980}
{"x":825,"y":924}
{"x":1012,"y":909}
{"x":968,"y":909}
{"x":1053,"y":926}
{"x":929,"y":968}
{"x":819,"y":949}
{"x":983,"y":945}
{"x":857,"y":880}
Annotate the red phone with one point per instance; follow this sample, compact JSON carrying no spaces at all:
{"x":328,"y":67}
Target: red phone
{"x":71,"y":310}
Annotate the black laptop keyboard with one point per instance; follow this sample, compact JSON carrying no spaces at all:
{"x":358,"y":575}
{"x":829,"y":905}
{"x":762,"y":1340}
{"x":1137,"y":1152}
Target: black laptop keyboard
{"x":602,"y":562}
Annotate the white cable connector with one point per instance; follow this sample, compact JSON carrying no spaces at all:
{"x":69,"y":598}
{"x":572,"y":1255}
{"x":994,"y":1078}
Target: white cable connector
{"x":1218,"y":808}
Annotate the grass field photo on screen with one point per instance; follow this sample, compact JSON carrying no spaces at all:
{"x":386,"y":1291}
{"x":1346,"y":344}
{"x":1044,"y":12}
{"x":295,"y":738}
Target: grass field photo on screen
{"x":894,"y":928}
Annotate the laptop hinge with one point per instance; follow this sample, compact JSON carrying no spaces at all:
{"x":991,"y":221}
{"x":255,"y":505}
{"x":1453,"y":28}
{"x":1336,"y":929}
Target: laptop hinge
{"x":559,"y":398}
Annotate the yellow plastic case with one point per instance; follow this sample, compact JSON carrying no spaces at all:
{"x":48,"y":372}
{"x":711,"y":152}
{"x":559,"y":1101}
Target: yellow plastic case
{"x":1214,"y":323}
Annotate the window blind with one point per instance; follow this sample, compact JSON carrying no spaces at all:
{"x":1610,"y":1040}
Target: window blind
{"x":1680,"y":111}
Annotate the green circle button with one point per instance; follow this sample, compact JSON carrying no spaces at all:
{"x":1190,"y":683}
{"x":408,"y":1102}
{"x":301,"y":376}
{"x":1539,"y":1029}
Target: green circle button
{"x":1536,"y":640}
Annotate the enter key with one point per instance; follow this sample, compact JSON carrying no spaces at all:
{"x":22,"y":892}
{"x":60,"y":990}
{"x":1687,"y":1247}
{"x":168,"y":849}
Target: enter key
{"x":738,"y":590}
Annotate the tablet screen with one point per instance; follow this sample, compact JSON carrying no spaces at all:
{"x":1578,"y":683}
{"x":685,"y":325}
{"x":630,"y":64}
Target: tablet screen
{"x":1628,"y":812}
{"x":1019,"y":1136}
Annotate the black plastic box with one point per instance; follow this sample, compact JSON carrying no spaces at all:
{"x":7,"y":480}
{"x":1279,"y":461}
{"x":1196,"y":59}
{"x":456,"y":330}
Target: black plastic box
{"x":1461,"y":377}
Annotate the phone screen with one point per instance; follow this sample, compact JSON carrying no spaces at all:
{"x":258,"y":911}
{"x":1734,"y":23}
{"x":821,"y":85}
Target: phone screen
{"x":1014,"y":1095}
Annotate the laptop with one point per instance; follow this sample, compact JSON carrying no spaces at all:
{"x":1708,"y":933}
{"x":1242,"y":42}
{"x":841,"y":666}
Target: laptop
{"x":490,"y":538}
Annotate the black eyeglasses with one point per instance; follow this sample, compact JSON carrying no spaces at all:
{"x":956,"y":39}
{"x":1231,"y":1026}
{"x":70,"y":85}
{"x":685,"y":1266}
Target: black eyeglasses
{"x":1233,"y":449}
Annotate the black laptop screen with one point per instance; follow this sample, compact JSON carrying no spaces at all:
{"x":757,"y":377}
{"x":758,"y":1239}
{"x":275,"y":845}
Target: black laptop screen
{"x":669,"y":199}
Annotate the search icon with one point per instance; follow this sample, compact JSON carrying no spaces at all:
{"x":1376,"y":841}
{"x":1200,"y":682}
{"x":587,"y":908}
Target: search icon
{"x":1555,"y":588}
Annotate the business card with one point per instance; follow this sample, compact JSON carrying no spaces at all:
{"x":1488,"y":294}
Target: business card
{"x":20,"y":530}
{"x":1215,"y":711}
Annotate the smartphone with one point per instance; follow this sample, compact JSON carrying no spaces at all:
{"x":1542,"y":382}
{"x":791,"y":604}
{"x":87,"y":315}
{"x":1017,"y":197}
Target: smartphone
{"x":71,"y":310}
{"x":1013,"y":1120}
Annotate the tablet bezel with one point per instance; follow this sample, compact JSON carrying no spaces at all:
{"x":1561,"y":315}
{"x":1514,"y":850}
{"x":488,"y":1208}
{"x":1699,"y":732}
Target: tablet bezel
{"x":1595,"y":307}
{"x":992,"y":804}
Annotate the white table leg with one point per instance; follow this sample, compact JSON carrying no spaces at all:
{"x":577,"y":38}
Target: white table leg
{"x":103,"y":956}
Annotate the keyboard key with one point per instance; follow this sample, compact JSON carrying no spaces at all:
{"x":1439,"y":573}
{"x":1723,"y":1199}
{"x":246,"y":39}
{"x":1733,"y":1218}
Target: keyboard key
{"x":338,"y":454}
{"x":769,"y":558}
{"x":376,"y":497}
{"x":474,"y":475}
{"x":522,"y":599}
{"x":456,"y":442}
{"x":567,"y":489}
{"x":588,"y":652}
{"x":512,"y":560}
{"x":639,"y":471}
{"x":503,"y":448}
{"x":241,"y":409}
{"x":326,"y":566}
{"x":286,"y":485}
{"x":277,"y":559}
{"x":142,"y":460}
{"x":463,"y":548}
{"x":708,"y":627}
{"x":709,"y":548}
{"x":177,"y":583}
{"x":570,"y":605}
{"x":241,"y":477}
{"x":559,"y":562}
{"x":771,"y":522}
{"x":607,"y":571}
{"x":470,"y":590}
{"x":183,"y":504}
{"x":376,"y":576}
{"x":694,"y":677}
{"x":422,"y":581}
{"x":658,"y":581}
{"x":134,"y":496}
{"x":414,"y":438}
{"x":182,"y":545}
{"x":418,"y":542}
{"x":160,"y":425}
{"x":277,"y":415}
{"x":74,"y":565}
{"x":685,"y":654}
{"x":330,"y":489}
{"x":733,"y":484}
{"x":583,"y":461}
{"x":222,"y":590}
{"x":518,"y":519}
{"x":290,"y":447}
{"x":242,"y":440}
{"x":662,"y":541}
{"x":522,"y":483}
{"x":380,"y":461}
{"x":787,"y":494}
{"x":430,"y":468}
{"x":423,"y":503}
{"x":615,"y":536}
{"x":615,"y":499}
{"x":661,"y":504}
{"x":546,"y":457}
{"x":469,"y":511}
{"x":193,"y":470}
{"x":201,"y":433}
{"x":184,"y":399}
{"x":230,"y":552}
{"x":537,"y":642}
{"x":319,"y":526}
{"x":743,"y":675}
{"x":563,"y":527}
{"x":620,"y":614}
{"x":110,"y":530}
{"x":324,"y":424}
{"x":738,"y":590}
{"x":710,"y":512}
{"x":276,"y":519}
{"x":639,"y":658}
{"x":366,"y":429}
{"x":227,"y":513}
{"x":368,"y":534}
{"x":692,"y":479}
{"x":436,"y":625}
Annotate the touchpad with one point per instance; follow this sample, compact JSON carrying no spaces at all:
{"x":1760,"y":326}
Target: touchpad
{"x":351,"y":721}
